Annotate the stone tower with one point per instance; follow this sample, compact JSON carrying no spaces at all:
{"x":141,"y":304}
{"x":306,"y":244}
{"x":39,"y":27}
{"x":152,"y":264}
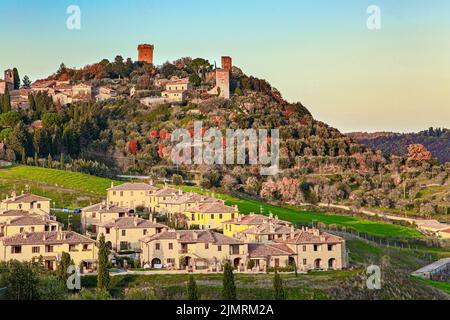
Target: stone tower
{"x":227,"y":63}
{"x":145,"y":53}
{"x":9,"y":76}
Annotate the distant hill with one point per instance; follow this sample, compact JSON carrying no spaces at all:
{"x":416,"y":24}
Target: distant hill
{"x":437,"y":141}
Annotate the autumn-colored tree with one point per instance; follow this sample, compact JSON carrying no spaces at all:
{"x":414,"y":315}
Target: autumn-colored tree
{"x":133,"y":146}
{"x":418,"y":152}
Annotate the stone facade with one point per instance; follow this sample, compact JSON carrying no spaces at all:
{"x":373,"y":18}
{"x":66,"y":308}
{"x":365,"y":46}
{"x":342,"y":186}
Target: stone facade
{"x":145,"y":53}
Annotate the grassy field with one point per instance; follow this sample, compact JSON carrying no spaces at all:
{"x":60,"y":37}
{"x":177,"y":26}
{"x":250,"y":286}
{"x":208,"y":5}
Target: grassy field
{"x":444,"y":286}
{"x":296,"y":215}
{"x":65,"y":188}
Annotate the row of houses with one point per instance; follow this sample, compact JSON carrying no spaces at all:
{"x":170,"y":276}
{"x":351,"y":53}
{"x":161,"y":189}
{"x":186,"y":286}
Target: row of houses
{"x":213,"y":233}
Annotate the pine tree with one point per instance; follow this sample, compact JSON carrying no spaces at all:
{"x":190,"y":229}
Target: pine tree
{"x":229,"y":288}
{"x":26,"y":82}
{"x":192,"y":290}
{"x":103,"y":271}
{"x":278,"y":289}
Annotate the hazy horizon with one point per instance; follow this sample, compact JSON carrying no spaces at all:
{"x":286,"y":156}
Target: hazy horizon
{"x":396,"y":79}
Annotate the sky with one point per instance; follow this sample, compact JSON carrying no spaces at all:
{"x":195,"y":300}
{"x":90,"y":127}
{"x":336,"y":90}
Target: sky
{"x":318,"y":52}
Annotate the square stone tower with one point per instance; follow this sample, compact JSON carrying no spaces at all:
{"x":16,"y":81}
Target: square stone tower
{"x":227,"y":63}
{"x":145,"y":53}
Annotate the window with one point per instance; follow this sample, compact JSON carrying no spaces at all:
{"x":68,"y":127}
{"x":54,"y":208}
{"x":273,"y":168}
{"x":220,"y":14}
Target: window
{"x":170,"y":246}
{"x":277,"y":262}
{"x":304,"y":248}
{"x":48,"y":248}
{"x":38,"y":205}
{"x":20,"y":206}
{"x":72,"y":247}
{"x":157,"y":246}
{"x":16,"y":249}
{"x":21,"y":230}
{"x":304,"y":262}
{"x":144,"y":232}
{"x":35,"y":249}
{"x":212,"y":216}
{"x":85,"y":247}
{"x":121,"y":193}
{"x":114,"y":193}
{"x":170,"y":261}
{"x":132,"y":193}
{"x":53,"y":228}
{"x":206,"y":246}
{"x":32,"y":229}
{"x":93,"y":214}
{"x":232,"y":216}
{"x":220,"y":216}
{"x":193,"y":217}
{"x":124,"y":233}
{"x":219,"y":248}
{"x":316,"y":247}
{"x":330,"y":247}
{"x":108,"y":230}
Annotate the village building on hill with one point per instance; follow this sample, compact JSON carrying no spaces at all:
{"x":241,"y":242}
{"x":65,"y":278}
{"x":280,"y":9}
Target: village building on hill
{"x":131,"y":195}
{"x":49,"y":246}
{"x":235,"y":227}
{"x":27,"y":202}
{"x":176,"y":89}
{"x":124,"y":233}
{"x":27,"y":224}
{"x":94,"y":216}
{"x":210,"y":215}
{"x":192,"y":250}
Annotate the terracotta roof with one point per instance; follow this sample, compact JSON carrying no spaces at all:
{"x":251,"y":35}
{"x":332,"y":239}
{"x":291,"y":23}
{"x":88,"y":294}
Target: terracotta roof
{"x":193,"y":236}
{"x":132,"y":223}
{"x":309,"y":236}
{"x":133,"y":186}
{"x":53,"y":237}
{"x":25,"y":198}
{"x":256,"y":219}
{"x":269,"y":228}
{"x":216,"y":207}
{"x":257,"y":250}
{"x":166,"y":192}
{"x":14,"y":213}
{"x":27,"y":221}
{"x":104,"y":208}
{"x":190,"y":198}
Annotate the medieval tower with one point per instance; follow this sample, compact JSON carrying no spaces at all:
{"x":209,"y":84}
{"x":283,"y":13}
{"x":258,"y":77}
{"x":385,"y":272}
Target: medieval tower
{"x":145,"y":53}
{"x":227,"y":63}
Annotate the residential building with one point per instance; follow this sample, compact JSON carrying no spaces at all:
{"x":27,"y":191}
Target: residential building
{"x":234,"y":227}
{"x":27,"y":202}
{"x":131,"y":195}
{"x":81,"y":92}
{"x":315,"y":250}
{"x":49,"y":246}
{"x":264,"y":233}
{"x":192,"y":249}
{"x":176,"y":89}
{"x":158,"y":197}
{"x":94,"y":216}
{"x":106,"y":93}
{"x":185,"y":201}
{"x":270,"y":255}
{"x":19,"y":99}
{"x":27,"y":224}
{"x":210,"y":215}
{"x":125,"y":233}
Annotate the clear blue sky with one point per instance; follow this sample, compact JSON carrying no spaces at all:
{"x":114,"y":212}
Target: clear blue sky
{"x":319,"y":52}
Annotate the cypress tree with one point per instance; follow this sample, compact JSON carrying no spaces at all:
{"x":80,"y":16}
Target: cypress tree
{"x":63,"y":265}
{"x":103,"y":271}
{"x":278,"y":290}
{"x":192,"y":290}
{"x":229,"y":288}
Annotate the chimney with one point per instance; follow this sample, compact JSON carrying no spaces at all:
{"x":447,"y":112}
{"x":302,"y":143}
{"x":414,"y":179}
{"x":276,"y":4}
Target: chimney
{"x":180,"y":192}
{"x":276,"y":217}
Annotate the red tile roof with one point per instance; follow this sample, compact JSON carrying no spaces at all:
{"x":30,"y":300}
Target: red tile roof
{"x":193,"y":236}
{"x":310,"y":236}
{"x":53,"y":237}
{"x":25,"y":198}
{"x":132,"y":223}
{"x":263,"y":250}
{"x":134,"y":186}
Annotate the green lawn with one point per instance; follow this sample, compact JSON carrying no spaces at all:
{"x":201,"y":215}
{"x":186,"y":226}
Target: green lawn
{"x":59,"y":178}
{"x":444,"y":286}
{"x":296,"y":215}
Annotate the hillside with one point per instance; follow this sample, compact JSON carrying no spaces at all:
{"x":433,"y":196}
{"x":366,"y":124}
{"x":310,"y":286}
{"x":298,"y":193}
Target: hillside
{"x":124,"y":135}
{"x":437,"y":141}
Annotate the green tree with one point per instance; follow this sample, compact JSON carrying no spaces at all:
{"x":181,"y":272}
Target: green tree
{"x":229,"y":288}
{"x":103,"y":271}
{"x":20,"y":280}
{"x":177,"y":180}
{"x":26,"y":82}
{"x":51,"y":288}
{"x":10,"y":119}
{"x":192,"y":290}
{"x":63,"y":266}
{"x":195,"y":79}
{"x":16,"y":79}
{"x":278,"y":288}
